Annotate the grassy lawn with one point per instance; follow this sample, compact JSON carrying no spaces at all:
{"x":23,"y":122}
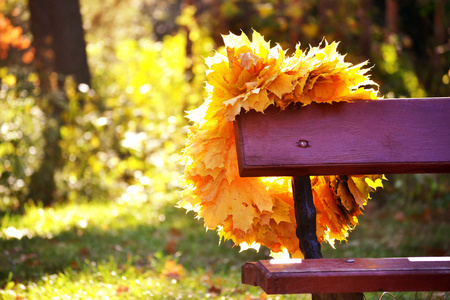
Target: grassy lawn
{"x":143,"y":250}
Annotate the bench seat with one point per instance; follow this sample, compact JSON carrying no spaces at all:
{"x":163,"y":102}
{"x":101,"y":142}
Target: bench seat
{"x":349,"y":275}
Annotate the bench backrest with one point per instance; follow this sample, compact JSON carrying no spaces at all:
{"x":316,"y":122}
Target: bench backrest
{"x":360,"y":137}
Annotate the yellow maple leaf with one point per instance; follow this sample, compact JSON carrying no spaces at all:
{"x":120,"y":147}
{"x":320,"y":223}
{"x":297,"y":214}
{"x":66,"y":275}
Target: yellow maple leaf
{"x":281,"y":211}
{"x":359,"y":198}
{"x":281,"y":85}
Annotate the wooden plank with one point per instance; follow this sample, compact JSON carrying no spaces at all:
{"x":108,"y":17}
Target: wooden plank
{"x":349,"y":276}
{"x":361,"y":137}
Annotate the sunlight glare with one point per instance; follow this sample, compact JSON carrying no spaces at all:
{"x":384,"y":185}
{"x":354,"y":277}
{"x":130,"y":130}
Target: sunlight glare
{"x":12,"y":232}
{"x":145,"y":88}
{"x":102,"y":121}
{"x":144,"y":180}
{"x":83,"y":87}
{"x":245,"y":246}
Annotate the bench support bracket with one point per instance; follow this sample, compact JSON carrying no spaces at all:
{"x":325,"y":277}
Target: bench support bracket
{"x":305,"y":215}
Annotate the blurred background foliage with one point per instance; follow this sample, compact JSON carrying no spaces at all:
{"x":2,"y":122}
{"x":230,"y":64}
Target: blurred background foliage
{"x":118,"y":137}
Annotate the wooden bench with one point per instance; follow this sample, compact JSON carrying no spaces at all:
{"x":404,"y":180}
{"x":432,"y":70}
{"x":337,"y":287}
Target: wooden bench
{"x":389,"y":136}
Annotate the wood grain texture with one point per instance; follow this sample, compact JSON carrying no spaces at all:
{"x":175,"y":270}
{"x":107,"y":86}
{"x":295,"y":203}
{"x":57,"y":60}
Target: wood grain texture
{"x":340,"y":276}
{"x":361,"y":137}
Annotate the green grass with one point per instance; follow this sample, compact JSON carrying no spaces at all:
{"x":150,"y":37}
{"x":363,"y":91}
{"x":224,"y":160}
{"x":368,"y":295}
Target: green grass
{"x":117,"y":251}
{"x":143,"y":250}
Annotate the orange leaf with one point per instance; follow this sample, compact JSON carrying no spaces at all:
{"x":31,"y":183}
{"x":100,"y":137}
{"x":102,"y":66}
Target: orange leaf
{"x":172,"y":270}
{"x":122,"y":289}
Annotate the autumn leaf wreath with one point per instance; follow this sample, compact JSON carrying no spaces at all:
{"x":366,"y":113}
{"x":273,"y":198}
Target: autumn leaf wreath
{"x":260,"y":211}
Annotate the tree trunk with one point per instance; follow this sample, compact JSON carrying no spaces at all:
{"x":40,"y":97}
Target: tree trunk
{"x":439,"y":41}
{"x":391,"y":14}
{"x":365,"y":7}
{"x":58,"y":38}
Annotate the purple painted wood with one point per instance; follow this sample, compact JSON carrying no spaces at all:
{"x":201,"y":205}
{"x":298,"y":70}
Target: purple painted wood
{"x":341,"y":276}
{"x":361,"y":137}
